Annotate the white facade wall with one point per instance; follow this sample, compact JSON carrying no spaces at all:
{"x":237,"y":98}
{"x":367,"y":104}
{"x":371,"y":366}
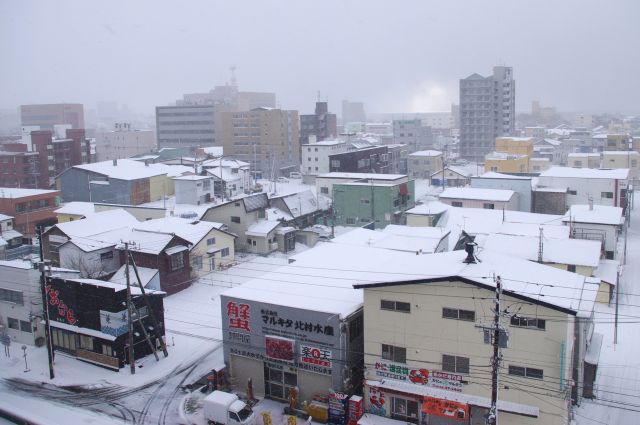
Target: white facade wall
{"x":581,"y":190}
{"x":315,"y":157}
{"x":422,"y":166}
{"x":511,"y":205}
{"x":208,"y":252}
{"x":522,"y":188}
{"x":193,"y":192}
{"x":124,"y":144}
{"x":324,"y":185}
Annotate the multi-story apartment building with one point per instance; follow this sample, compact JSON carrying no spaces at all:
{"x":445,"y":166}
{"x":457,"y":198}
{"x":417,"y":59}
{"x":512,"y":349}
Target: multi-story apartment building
{"x":321,"y":124}
{"x":426,"y":355}
{"x":413,"y":133}
{"x":487,"y":111}
{"x":185,"y":125}
{"x":422,"y":164}
{"x":266,"y":138}
{"x":124,"y":142}
{"x":48,"y":115}
{"x":368,"y":160}
{"x":35,"y":165}
{"x":315,"y":156}
{"x":29,"y":207}
{"x":622,"y":159}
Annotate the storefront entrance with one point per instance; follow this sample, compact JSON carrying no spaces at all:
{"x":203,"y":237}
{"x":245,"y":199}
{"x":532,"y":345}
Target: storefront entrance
{"x":278,"y":380}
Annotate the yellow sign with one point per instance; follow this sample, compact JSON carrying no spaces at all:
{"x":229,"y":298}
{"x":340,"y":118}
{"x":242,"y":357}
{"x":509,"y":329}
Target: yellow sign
{"x":266,"y":418}
{"x":291,"y":420}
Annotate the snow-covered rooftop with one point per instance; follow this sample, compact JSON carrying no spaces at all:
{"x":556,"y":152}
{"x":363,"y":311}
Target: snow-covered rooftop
{"x":262,"y":228}
{"x":13,"y":192}
{"x":190,"y":230}
{"x":480,"y":194}
{"x":77,"y":208}
{"x":579,"y":252}
{"x":98,"y":223}
{"x":301,"y":203}
{"x":608,"y":271}
{"x":598,"y":214}
{"x":426,"y":153}
{"x":356,"y":176}
{"x":146,"y":275}
{"x":4,"y":217}
{"x":587,"y":173}
{"x":124,"y":169}
{"x":429,"y":208}
{"x":494,"y":175}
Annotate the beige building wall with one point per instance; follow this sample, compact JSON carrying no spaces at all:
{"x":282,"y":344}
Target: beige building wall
{"x":263,"y":137}
{"x":516,"y":164}
{"x":538,"y":165}
{"x":515,"y":145}
{"x":628,"y":159}
{"x":583,"y":160}
{"x":63,"y":218}
{"x":222,"y":240}
{"x":427,"y":336}
{"x":160,"y":186}
{"x":414,"y":220}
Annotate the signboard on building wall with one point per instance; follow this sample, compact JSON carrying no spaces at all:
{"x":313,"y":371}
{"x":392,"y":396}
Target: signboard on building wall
{"x":304,"y":339}
{"x":115,"y":324}
{"x":61,"y":302}
{"x":445,"y":408}
{"x":430,"y":378}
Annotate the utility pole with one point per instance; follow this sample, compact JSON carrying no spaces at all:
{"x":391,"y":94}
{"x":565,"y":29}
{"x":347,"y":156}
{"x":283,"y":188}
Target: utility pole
{"x":152,"y":315}
{"x":132,"y":362}
{"x":492,"y":417}
{"x":615,"y":330}
{"x":45,"y":306}
{"x":540,"y":245}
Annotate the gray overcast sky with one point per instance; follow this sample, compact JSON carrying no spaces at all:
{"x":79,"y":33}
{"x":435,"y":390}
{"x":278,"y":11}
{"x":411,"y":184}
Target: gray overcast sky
{"x":394,"y":55}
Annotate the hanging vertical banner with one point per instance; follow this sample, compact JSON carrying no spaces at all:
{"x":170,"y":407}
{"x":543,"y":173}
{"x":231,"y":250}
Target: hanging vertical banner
{"x":266,"y":418}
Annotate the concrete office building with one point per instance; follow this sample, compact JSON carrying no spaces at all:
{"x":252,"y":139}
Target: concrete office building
{"x":266,"y":138}
{"x":413,"y":133}
{"x":321,"y":124}
{"x":46,"y":116}
{"x":124,"y":142}
{"x":487,"y":111}
{"x":186,"y":125}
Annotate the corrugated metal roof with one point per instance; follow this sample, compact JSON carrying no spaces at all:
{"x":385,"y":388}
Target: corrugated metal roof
{"x":255,"y":202}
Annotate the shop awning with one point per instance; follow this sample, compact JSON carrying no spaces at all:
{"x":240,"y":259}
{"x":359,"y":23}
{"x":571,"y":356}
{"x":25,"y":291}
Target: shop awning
{"x":474,"y":400}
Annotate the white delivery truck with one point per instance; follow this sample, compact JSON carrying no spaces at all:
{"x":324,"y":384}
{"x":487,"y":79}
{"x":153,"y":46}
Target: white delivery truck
{"x":221,"y":408}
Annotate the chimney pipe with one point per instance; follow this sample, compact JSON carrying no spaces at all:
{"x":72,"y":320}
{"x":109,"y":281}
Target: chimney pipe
{"x":469,"y":248}
{"x":590,"y":203}
{"x":115,"y":162}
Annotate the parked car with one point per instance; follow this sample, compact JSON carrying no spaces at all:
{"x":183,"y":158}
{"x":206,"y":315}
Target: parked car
{"x":221,"y":408}
{"x":295,"y":175}
{"x":283,"y":180}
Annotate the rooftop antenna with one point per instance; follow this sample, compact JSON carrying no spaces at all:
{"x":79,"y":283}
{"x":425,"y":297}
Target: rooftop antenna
{"x":319,"y":96}
{"x":234,"y":82}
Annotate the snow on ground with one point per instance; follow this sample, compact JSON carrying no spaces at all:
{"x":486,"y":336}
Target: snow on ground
{"x":618,"y":378}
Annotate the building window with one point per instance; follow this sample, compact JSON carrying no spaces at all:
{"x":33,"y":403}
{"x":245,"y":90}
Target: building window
{"x":456,"y":203}
{"x":393,"y":353}
{"x":455,"y":364}
{"x":224,"y":252}
{"x":365,"y":201}
{"x":177,"y":261}
{"x":528,"y":322}
{"x":351,"y":220}
{"x":106,"y":256}
{"x":197,"y":262}
{"x":571,"y":268}
{"x":211,"y":241}
{"x":572,"y":192}
{"x":606,"y":195}
{"x":107,"y":350}
{"x":86,"y":342}
{"x":235,"y":219}
{"x":13,"y":323}
{"x":404,"y":410}
{"x":11,"y":296}
{"x":25,"y":326}
{"x":488,"y":206}
{"x":335,"y":163}
{"x":527,"y":372}
{"x":261,"y":213}
{"x":356,"y":326}
{"x":395,"y":306}
{"x":454,"y":313}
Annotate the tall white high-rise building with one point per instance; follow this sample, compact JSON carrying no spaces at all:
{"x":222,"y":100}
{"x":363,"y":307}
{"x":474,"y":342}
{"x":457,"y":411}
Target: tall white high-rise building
{"x":487,"y":111}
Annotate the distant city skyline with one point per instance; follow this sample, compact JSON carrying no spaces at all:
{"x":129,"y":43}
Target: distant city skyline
{"x":577,"y":56}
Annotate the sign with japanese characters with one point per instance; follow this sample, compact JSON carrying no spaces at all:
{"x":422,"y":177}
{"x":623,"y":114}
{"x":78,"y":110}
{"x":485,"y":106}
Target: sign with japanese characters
{"x":61,"y":300}
{"x":114,"y":323}
{"x":445,"y":408}
{"x":294,"y":337}
{"x":430,"y":378}
{"x":315,"y":355}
